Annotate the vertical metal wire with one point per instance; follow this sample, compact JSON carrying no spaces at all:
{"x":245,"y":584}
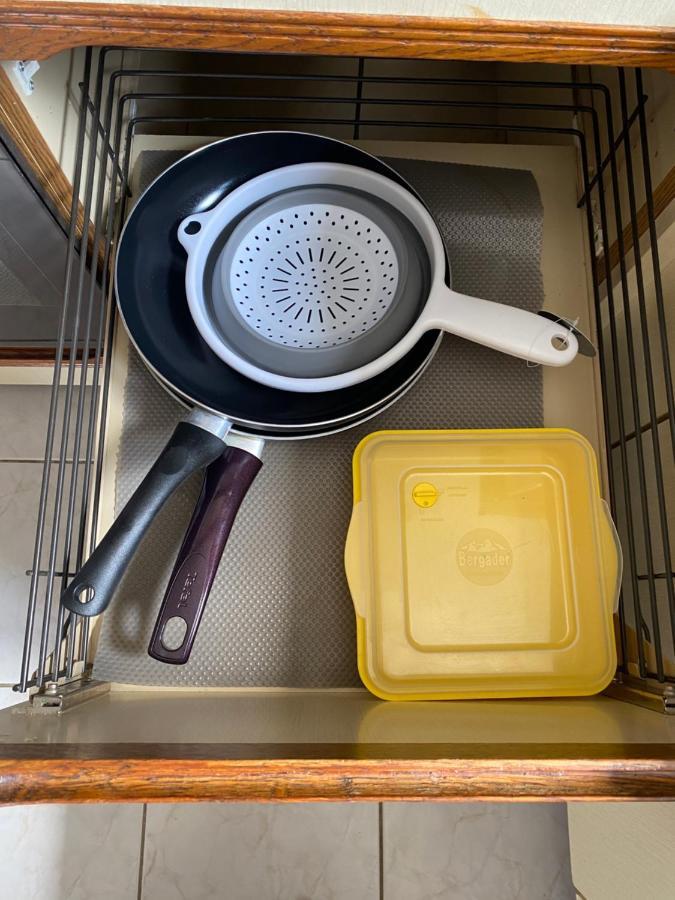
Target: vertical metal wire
{"x":114,"y":220}
{"x":53,"y":403}
{"x":656,"y":265}
{"x":614,"y":143}
{"x":651,"y":399}
{"x":635,"y":402}
{"x":588,"y":186}
{"x":359,"y":94}
{"x":70,"y":381}
{"x":602,"y":351}
{"x":644,"y":505}
{"x":586,"y":201}
{"x":616,"y":372}
{"x":89,"y":519}
{"x":85,"y":305}
{"x":97,"y":346}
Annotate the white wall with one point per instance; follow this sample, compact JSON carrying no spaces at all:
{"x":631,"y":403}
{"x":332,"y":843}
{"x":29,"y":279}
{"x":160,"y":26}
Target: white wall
{"x":53,"y":103}
{"x":625,"y":12}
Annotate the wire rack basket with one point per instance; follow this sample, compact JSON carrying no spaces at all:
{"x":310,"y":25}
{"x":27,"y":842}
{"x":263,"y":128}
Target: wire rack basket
{"x":604,"y":113}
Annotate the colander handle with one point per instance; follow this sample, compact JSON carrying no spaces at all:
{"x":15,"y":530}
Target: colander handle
{"x":226,"y":483}
{"x":502,"y":327}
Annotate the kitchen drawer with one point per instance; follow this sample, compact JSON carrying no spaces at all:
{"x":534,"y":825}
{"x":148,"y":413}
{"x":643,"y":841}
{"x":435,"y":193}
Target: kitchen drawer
{"x":81,"y":740}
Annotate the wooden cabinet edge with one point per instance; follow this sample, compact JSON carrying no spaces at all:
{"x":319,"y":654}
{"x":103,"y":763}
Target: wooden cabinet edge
{"x":275,"y":774}
{"x":40,"y":28}
{"x":19,"y":127}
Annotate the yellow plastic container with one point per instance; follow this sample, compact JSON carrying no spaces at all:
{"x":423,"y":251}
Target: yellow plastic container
{"x":481,"y":564}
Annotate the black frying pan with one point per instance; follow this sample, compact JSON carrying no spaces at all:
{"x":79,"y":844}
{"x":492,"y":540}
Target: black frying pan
{"x":151,"y":298}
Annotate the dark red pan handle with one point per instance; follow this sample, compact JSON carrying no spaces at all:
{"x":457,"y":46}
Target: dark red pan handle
{"x":226,"y":483}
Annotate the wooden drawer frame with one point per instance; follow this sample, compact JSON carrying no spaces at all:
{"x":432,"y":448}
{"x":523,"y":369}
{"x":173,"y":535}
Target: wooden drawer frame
{"x":38,"y":29}
{"x":43,"y":768}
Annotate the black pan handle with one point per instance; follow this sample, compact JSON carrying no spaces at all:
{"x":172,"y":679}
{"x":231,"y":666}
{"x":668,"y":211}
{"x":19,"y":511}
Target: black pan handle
{"x":195,"y":443}
{"x":226,"y":483}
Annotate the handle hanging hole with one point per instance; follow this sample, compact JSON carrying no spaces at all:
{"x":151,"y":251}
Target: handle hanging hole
{"x":85,"y":594}
{"x":559,"y":343}
{"x":173,"y":633}
{"x":192,"y":228}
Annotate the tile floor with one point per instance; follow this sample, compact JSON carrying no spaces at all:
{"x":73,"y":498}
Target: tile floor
{"x":239,"y":851}
{"x":242,"y":851}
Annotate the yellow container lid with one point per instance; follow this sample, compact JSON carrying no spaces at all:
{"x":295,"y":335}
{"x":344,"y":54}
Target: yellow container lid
{"x":481,"y":564}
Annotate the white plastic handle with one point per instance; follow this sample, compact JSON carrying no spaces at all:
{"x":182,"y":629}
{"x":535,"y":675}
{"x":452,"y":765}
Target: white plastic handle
{"x":505,"y":328}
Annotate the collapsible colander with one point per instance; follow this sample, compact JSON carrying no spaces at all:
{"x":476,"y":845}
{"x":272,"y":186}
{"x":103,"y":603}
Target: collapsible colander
{"x":318,"y":276}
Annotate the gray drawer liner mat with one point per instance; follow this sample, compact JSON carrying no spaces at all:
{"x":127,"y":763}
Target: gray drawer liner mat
{"x":280,"y":612}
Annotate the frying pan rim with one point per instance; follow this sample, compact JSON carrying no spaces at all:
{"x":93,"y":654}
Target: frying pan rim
{"x":354,"y":422}
{"x":288,"y":432}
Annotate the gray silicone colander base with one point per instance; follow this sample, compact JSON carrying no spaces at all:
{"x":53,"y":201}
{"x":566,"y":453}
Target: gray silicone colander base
{"x":317,"y":297}
{"x":288,"y":621}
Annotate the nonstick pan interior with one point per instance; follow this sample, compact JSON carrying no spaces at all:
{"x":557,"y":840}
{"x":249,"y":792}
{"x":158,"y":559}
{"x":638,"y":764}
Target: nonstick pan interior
{"x":151,"y":293}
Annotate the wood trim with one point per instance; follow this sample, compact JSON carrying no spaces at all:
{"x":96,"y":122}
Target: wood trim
{"x":37,"y":356}
{"x":663,"y":195}
{"x":40,"y":28}
{"x":35,"y":152}
{"x":142,"y":773}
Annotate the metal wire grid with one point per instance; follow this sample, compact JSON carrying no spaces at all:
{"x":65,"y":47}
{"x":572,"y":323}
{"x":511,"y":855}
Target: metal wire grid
{"x":114,"y":109}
